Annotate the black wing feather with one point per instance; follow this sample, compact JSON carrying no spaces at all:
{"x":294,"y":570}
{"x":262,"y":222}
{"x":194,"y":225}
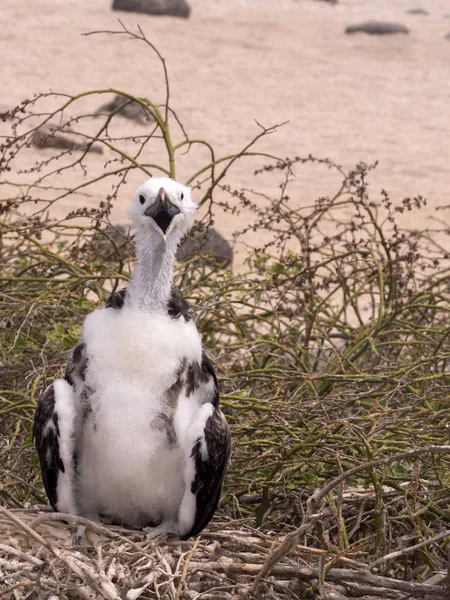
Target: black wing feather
{"x":76,"y":365}
{"x":117,"y":299}
{"x":209,"y":473}
{"x":177,"y":306}
{"x":47,"y":443}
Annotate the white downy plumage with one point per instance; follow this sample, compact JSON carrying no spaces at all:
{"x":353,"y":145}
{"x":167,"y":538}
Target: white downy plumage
{"x":140,"y":403}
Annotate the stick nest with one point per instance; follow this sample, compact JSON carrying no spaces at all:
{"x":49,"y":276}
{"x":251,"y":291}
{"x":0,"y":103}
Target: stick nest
{"x":39,"y":559}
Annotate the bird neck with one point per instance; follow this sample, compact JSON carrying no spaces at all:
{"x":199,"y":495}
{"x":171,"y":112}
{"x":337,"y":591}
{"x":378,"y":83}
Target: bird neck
{"x":151,"y":284}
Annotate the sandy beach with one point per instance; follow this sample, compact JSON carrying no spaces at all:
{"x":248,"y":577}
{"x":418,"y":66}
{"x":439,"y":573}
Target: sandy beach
{"x":348,"y":98}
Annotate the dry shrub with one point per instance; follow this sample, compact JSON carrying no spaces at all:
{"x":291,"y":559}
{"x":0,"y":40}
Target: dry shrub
{"x":332,"y":351}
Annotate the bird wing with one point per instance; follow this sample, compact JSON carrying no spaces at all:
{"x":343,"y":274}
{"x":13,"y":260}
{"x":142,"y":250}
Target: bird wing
{"x":54,"y":434}
{"x":209,"y":453}
{"x":46,"y":434}
{"x":77,"y":365}
{"x":54,"y":431}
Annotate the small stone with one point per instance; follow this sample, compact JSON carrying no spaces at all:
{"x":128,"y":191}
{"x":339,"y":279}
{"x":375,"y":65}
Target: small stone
{"x":129,"y":109}
{"x":6,"y":114}
{"x":172,"y":8}
{"x":417,"y":11}
{"x":52,"y":136}
{"x":377,"y":28}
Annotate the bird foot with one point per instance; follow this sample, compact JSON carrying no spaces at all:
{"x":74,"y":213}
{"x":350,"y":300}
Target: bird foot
{"x":78,"y":536}
{"x":164,"y":528}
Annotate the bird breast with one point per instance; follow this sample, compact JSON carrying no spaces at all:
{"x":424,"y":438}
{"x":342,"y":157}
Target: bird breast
{"x":126,"y":450}
{"x":136,"y":348}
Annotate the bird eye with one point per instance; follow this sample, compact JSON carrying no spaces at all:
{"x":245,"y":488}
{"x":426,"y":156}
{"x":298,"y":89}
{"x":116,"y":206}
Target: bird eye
{"x":141,"y":199}
{"x":182,"y":195}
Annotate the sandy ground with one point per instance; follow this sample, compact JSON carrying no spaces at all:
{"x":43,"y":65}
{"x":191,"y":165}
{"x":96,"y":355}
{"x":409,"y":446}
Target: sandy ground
{"x":348,"y":98}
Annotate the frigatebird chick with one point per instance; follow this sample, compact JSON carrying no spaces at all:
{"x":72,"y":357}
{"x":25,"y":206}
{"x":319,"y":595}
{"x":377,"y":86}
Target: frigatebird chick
{"x":133,"y":435}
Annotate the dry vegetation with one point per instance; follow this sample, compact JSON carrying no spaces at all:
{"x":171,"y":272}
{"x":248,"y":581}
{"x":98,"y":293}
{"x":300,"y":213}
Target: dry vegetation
{"x":332,"y":350}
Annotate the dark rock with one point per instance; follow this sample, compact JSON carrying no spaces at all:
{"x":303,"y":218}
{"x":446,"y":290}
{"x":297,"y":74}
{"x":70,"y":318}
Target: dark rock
{"x":130,"y":109}
{"x":417,"y":11}
{"x":6,"y":114}
{"x":172,"y":8}
{"x":209,"y":244}
{"x":52,"y":136}
{"x":377,"y":28}
{"x":121,"y":235}
{"x":447,"y":37}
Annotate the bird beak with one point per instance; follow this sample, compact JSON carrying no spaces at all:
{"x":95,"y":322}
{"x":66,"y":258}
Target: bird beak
{"x":162,"y":213}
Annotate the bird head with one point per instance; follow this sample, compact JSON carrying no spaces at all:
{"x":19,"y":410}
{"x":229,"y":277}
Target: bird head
{"x":164,"y":208}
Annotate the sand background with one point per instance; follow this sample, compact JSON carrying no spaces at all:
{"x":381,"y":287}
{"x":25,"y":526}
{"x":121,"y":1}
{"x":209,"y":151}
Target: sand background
{"x":348,"y":98}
